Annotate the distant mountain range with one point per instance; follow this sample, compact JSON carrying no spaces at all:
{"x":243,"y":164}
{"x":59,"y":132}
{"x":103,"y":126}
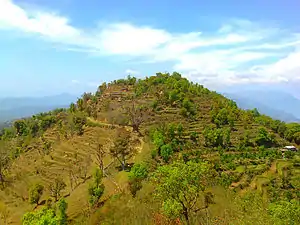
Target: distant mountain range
{"x":277,"y":104}
{"x":14,"y":108}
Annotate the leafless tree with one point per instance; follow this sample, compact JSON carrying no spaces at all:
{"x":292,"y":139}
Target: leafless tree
{"x":121,"y":148}
{"x":56,"y":187}
{"x":136,"y":115}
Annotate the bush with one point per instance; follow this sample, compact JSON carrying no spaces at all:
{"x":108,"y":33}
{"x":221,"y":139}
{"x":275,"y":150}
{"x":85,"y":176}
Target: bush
{"x":96,"y":189}
{"x":138,"y":171}
{"x":35,"y":193}
{"x":166,"y":151}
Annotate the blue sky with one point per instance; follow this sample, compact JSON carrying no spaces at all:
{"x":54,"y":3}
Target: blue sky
{"x":50,"y":47}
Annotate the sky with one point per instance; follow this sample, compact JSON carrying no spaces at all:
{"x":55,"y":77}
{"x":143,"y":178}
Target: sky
{"x":71,"y":46}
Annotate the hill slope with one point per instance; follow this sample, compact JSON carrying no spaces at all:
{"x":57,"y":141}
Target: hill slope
{"x":149,"y":127}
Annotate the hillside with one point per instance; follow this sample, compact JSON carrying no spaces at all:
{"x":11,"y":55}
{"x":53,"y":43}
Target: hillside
{"x":156,"y":151}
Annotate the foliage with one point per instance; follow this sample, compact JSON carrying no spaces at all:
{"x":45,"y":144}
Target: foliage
{"x":181,"y":187}
{"x":264,"y":138}
{"x":243,"y":147}
{"x":62,"y":206}
{"x":41,"y":217}
{"x":166,"y":152}
{"x":139,"y":171}
{"x":188,"y":108}
{"x":47,"y":215}
{"x":136,"y":175}
{"x":215,"y":137}
{"x":4,"y":159}
{"x":285,"y":212}
{"x":35,"y":193}
{"x":96,"y":188}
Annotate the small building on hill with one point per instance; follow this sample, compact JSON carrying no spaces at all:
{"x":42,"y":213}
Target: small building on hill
{"x":289,"y":148}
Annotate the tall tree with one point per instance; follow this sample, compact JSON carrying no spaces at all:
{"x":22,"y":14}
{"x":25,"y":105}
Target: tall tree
{"x":99,"y":154}
{"x":56,"y":187}
{"x":96,"y":188}
{"x":121,"y":148}
{"x":181,"y":187}
{"x":35,"y":193}
{"x":136,"y":115}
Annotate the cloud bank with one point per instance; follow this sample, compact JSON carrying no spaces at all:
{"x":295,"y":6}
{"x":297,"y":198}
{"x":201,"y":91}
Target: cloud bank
{"x":239,"y":51}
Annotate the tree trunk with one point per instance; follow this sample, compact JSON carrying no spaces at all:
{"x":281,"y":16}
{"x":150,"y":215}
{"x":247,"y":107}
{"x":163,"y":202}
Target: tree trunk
{"x":135,"y":128}
{"x":1,"y":178}
{"x":123,"y":163}
{"x":186,"y":216}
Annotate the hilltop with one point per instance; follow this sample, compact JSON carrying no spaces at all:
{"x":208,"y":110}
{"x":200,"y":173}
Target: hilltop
{"x":161,"y":150}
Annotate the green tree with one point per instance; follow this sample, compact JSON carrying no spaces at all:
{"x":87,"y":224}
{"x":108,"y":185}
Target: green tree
{"x":166,"y":152}
{"x":62,"y":206}
{"x":297,"y":138}
{"x":35,"y":193}
{"x":245,"y":140}
{"x":226,"y":140}
{"x":47,"y":216}
{"x":181,"y":187}
{"x":285,"y":212}
{"x":255,"y":112}
{"x":21,"y":127}
{"x":96,"y":188}
{"x":137,"y":174}
{"x":72,"y":107}
{"x":158,"y":138}
{"x":80,"y":104}
{"x":79,"y":121}
{"x":41,"y":217}
{"x":222,"y":117}
{"x":214,"y":137}
{"x":139,"y":171}
{"x":188,"y":108}
{"x":263,"y":138}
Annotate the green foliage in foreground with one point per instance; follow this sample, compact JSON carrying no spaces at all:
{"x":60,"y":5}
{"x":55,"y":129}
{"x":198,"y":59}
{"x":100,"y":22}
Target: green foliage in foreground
{"x":35,"y":193}
{"x":285,"y":212}
{"x":47,"y":216}
{"x":96,"y":188}
{"x":137,"y":174}
{"x":182,"y":187}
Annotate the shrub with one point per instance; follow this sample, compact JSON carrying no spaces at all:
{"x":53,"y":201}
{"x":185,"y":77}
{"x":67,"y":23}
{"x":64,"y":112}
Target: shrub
{"x":166,"y":151}
{"x":35,"y":193}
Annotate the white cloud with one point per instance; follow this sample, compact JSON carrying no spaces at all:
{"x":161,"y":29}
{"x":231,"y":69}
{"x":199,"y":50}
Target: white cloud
{"x":43,"y":23}
{"x":237,"y":52}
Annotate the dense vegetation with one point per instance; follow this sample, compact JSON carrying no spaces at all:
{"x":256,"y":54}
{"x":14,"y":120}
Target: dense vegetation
{"x":161,"y":150}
